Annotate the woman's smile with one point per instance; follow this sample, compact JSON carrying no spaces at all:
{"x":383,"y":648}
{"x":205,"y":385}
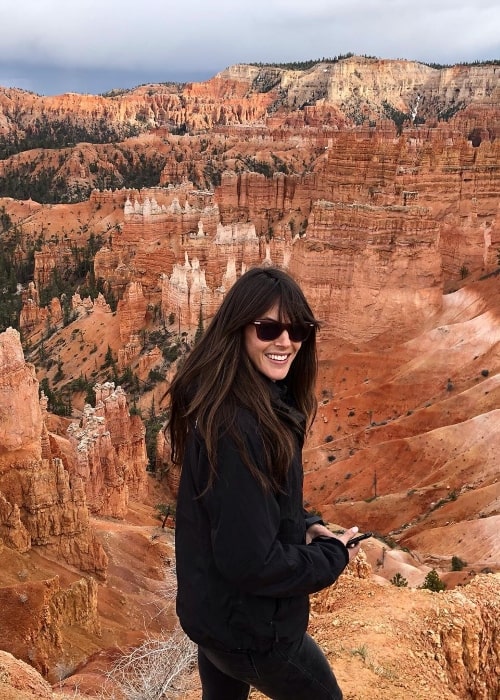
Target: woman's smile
{"x":277,"y":358}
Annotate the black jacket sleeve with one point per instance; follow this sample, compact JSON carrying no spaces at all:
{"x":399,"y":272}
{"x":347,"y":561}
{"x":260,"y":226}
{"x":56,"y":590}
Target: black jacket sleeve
{"x":244,"y":526}
{"x":312,"y":519}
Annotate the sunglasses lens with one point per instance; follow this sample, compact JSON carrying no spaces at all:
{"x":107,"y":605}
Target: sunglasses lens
{"x":270,"y":330}
{"x":298,"y":333}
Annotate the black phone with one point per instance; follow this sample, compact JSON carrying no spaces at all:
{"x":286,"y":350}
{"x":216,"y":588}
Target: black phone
{"x":356,"y":540}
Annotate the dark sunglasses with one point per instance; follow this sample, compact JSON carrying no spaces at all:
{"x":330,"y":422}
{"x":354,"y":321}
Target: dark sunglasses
{"x":270,"y":330}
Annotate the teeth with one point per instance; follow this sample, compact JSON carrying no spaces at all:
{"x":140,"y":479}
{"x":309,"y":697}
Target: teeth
{"x":278,"y":358}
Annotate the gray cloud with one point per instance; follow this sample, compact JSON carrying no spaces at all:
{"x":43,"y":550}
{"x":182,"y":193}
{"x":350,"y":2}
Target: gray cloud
{"x":98,"y":44}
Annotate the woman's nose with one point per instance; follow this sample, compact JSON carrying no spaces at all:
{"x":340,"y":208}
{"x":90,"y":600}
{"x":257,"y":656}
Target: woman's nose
{"x":283,"y":339}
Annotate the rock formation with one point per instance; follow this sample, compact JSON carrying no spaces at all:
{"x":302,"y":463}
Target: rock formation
{"x":41,"y":504}
{"x":111,"y":454}
{"x":432,"y":646}
{"x":43,"y":508}
{"x":381,"y":172}
{"x":35,"y":318}
{"x":132,"y":311}
{"x":44,"y":610}
{"x":387,"y":217}
{"x":20,"y":681}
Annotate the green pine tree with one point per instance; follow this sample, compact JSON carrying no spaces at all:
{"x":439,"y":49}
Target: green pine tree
{"x":432,"y":582}
{"x":399,"y":580}
{"x":199,"y":329}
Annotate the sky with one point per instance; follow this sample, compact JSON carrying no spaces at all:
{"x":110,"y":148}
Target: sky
{"x":92,"y":46}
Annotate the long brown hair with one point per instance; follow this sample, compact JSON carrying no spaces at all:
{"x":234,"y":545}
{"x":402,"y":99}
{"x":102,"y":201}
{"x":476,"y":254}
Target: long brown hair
{"x":218,"y":377}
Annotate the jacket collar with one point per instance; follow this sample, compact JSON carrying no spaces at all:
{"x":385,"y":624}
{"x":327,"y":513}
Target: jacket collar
{"x":284,"y":405}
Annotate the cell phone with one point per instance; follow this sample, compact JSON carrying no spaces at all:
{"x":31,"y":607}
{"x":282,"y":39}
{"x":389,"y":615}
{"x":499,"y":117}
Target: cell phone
{"x":356,"y":540}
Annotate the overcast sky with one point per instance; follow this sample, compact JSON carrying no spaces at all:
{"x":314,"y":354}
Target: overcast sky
{"x":54,"y":46}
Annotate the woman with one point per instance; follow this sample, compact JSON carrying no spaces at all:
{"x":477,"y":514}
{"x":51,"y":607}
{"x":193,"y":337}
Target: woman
{"x":248,"y":555}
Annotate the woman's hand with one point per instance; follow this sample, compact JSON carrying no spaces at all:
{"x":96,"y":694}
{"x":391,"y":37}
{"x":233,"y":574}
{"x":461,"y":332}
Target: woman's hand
{"x":318,"y":530}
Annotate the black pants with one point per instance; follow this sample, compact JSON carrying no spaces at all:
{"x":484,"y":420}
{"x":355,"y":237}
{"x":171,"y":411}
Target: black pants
{"x":297,"y":671}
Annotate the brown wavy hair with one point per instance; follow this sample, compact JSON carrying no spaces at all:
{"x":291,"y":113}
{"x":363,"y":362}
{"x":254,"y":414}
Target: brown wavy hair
{"x":218,"y":377}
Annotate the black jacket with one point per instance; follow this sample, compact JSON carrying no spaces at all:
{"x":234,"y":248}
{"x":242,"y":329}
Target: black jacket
{"x":244,"y":571}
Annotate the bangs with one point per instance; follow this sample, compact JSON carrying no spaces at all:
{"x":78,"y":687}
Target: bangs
{"x":294,"y":307}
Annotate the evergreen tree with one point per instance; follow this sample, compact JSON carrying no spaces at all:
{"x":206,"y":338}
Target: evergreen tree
{"x":199,"y":329}
{"x":432,"y":582}
{"x":399,"y":580}
{"x":108,"y":358}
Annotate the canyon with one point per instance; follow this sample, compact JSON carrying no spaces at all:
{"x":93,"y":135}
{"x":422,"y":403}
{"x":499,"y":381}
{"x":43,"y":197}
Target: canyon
{"x":376,"y":185}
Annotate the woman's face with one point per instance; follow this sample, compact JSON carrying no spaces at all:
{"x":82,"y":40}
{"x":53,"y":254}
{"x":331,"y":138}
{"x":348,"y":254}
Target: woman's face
{"x":272,"y":358}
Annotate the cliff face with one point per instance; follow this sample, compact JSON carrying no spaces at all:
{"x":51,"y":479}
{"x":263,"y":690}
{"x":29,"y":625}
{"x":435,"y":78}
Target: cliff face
{"x":42,"y":509}
{"x":421,"y":208}
{"x":49,"y":486}
{"x":381,"y":223}
{"x":44,"y":610}
{"x":198,"y":131}
{"x":358,"y":87}
{"x":382,"y":172}
{"x":41,"y":506}
{"x":21,"y":424}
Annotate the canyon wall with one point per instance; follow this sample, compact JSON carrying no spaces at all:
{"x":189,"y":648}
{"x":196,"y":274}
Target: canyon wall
{"x":47,"y":485}
{"x":353,"y":88}
{"x":381,"y":224}
{"x":44,"y":610}
{"x":42,"y":508}
{"x":41,"y":504}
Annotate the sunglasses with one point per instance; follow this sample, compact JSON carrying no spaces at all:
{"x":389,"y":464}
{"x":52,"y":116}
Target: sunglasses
{"x":270,"y":330}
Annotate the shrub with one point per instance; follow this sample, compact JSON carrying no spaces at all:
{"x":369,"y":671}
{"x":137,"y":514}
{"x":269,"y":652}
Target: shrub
{"x":361,"y":651}
{"x":171,"y":353}
{"x":399,"y":580}
{"x":155,"y":376}
{"x":156,"y":669}
{"x":432,"y":582}
{"x":153,"y":426}
{"x":109,"y":360}
{"x":464,"y":271}
{"x":389,"y":541}
{"x":164,"y":509}
{"x":457,"y":564}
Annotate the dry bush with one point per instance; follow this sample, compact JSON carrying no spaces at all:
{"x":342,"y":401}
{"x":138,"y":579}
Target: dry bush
{"x":156,"y":670}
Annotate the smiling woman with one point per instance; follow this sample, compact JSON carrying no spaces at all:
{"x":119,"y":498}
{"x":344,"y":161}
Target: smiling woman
{"x":248,"y":555}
